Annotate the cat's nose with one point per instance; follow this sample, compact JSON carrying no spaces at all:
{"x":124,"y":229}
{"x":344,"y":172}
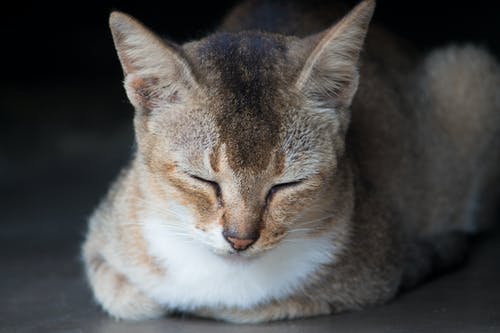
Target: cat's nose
{"x":240,"y":243}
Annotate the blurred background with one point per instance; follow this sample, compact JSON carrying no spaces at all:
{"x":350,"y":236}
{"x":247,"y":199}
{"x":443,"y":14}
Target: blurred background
{"x":65,"y":123}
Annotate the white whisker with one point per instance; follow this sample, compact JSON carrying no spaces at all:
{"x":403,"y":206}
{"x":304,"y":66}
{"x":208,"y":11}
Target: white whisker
{"x":172,"y":229}
{"x":304,"y":223}
{"x":148,"y":205}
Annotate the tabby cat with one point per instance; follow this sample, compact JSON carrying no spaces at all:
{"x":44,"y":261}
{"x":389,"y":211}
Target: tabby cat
{"x":286,"y":169}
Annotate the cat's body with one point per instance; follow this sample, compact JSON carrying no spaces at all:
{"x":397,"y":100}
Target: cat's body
{"x":374,"y":199}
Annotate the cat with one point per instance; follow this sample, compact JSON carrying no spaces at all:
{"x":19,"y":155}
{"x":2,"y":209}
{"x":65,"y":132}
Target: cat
{"x":285,"y":169}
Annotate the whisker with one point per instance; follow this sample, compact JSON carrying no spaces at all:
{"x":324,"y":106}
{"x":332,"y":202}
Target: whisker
{"x":174,"y":230}
{"x":304,"y":223}
{"x":293,"y":240}
{"x":147,"y":204}
{"x":164,"y":211}
{"x":302,"y":229}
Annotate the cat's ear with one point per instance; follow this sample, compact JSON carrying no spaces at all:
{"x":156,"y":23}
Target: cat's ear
{"x":156,"y":72}
{"x":330,"y":73}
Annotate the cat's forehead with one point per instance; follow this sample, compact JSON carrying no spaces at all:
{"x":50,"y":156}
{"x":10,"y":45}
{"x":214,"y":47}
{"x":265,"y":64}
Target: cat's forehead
{"x":248,"y":79}
{"x":241,"y":56}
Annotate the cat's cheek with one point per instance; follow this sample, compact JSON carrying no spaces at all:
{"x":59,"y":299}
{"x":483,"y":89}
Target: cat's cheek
{"x":203,"y":218}
{"x":208,"y":221}
{"x":283,"y":208}
{"x":201,"y":203}
{"x":215,"y":240}
{"x":271,"y":236}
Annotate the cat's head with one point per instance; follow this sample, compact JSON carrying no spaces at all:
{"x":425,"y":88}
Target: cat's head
{"x":241,"y":135}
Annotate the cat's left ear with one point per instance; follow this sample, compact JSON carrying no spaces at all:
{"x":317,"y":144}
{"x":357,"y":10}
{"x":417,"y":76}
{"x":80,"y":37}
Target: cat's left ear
{"x":330,"y":73}
{"x":156,"y":72}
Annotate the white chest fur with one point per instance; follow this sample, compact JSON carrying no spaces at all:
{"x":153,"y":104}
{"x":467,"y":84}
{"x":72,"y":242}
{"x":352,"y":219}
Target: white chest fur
{"x":197,"y":277}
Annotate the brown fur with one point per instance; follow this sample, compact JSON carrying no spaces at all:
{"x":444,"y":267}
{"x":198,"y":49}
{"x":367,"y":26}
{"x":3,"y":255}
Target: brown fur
{"x":394,"y":155}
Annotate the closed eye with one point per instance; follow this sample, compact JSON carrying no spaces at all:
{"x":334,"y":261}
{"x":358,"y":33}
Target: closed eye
{"x":279,"y":187}
{"x":214,"y":185}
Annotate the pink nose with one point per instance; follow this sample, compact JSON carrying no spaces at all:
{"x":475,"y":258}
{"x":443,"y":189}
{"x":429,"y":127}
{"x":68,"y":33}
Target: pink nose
{"x":240,"y":242}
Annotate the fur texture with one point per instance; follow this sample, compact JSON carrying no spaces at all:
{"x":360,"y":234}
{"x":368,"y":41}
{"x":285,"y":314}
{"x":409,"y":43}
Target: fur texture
{"x":344,"y":182}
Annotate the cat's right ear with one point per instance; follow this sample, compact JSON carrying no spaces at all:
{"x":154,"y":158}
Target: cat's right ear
{"x":330,"y":73}
{"x":156,"y":72}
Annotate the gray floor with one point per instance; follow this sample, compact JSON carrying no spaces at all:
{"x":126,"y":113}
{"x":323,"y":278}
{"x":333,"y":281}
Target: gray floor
{"x":46,"y":195}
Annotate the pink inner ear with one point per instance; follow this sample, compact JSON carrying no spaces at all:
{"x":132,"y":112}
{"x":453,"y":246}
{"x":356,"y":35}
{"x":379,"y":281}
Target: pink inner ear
{"x":127,"y":65}
{"x":144,"y":91}
{"x":147,"y":92}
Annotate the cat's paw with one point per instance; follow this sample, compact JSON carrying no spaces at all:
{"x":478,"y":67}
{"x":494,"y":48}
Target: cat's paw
{"x":118,"y":296}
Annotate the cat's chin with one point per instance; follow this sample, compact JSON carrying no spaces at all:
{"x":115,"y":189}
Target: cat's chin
{"x":239,"y":258}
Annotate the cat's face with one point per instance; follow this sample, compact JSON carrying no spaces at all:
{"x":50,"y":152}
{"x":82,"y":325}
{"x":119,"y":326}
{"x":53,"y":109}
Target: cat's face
{"x":240,"y":136}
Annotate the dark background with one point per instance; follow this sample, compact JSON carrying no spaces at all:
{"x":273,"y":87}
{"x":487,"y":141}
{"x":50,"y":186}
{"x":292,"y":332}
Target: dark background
{"x":71,"y":41}
{"x":65,"y":123}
